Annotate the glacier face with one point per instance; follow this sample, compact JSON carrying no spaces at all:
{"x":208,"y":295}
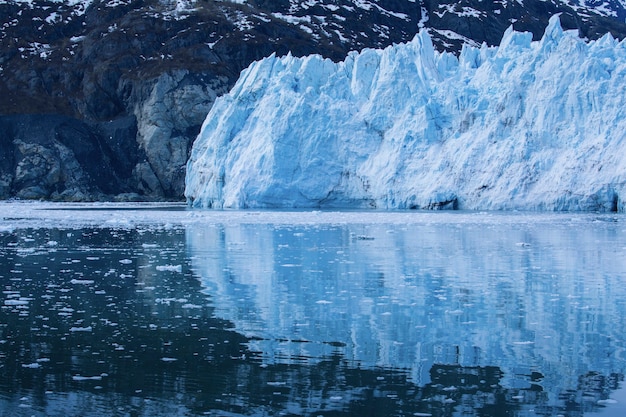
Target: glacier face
{"x":525,"y":125}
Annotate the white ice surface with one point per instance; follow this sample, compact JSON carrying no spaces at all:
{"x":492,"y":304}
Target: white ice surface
{"x":526,"y":125}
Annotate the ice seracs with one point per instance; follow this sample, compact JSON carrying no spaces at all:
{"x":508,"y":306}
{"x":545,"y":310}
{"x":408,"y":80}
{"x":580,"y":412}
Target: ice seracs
{"x":526,"y":125}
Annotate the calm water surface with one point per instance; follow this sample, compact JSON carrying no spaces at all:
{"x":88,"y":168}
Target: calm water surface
{"x":147,"y":311}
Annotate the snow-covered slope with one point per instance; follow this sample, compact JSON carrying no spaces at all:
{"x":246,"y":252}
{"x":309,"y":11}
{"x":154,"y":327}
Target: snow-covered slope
{"x":526,"y":125}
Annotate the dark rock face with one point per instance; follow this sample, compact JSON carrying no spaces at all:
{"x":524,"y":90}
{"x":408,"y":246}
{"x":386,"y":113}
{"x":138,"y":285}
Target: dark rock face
{"x":60,"y":158}
{"x":103,"y":99}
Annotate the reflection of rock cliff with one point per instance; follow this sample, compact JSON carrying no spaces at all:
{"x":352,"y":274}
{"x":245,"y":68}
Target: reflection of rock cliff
{"x":414,"y":298}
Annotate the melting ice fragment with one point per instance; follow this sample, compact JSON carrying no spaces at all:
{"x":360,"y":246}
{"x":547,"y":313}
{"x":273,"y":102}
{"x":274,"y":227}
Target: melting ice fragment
{"x":81,"y":329}
{"x":172,"y":268}
{"x":16,"y":302}
{"x":31,"y":365}
{"x":82,"y":281}
{"x":87,"y":378}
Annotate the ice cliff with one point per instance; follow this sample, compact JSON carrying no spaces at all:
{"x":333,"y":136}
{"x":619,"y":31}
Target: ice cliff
{"x":538,"y":125}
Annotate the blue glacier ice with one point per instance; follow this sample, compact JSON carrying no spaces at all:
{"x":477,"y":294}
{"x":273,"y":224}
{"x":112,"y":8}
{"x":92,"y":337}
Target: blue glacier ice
{"x":528,"y":125}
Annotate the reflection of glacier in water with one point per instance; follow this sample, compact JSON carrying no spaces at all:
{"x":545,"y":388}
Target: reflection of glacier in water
{"x":353,"y":314}
{"x":543,"y":301}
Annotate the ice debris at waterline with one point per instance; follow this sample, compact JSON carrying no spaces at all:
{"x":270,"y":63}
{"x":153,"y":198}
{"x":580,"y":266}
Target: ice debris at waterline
{"x":526,"y":125}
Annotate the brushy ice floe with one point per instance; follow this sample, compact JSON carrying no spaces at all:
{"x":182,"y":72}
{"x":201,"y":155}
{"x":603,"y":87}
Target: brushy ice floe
{"x":45,"y":215}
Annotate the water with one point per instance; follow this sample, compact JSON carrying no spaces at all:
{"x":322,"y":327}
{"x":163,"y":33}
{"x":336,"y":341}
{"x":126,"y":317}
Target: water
{"x":157,"y":310}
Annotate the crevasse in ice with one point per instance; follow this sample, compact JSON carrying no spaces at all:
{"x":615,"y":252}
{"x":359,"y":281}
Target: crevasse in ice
{"x":536,"y":125}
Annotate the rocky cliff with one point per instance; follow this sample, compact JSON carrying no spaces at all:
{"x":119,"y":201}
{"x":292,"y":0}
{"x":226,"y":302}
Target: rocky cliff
{"x":102,"y":99}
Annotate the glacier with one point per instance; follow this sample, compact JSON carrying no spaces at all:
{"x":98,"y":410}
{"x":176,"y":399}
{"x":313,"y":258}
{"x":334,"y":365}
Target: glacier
{"x":526,"y":125}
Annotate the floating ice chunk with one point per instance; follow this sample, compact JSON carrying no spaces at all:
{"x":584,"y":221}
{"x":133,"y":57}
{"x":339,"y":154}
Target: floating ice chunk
{"x":87,"y":378}
{"x":607,"y":401}
{"x":31,"y":365}
{"x":189,"y":305}
{"x":173,"y":268}
{"x":170,"y":300}
{"x":81,"y":329}
{"x":82,"y":281}
{"x":13,"y":302}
